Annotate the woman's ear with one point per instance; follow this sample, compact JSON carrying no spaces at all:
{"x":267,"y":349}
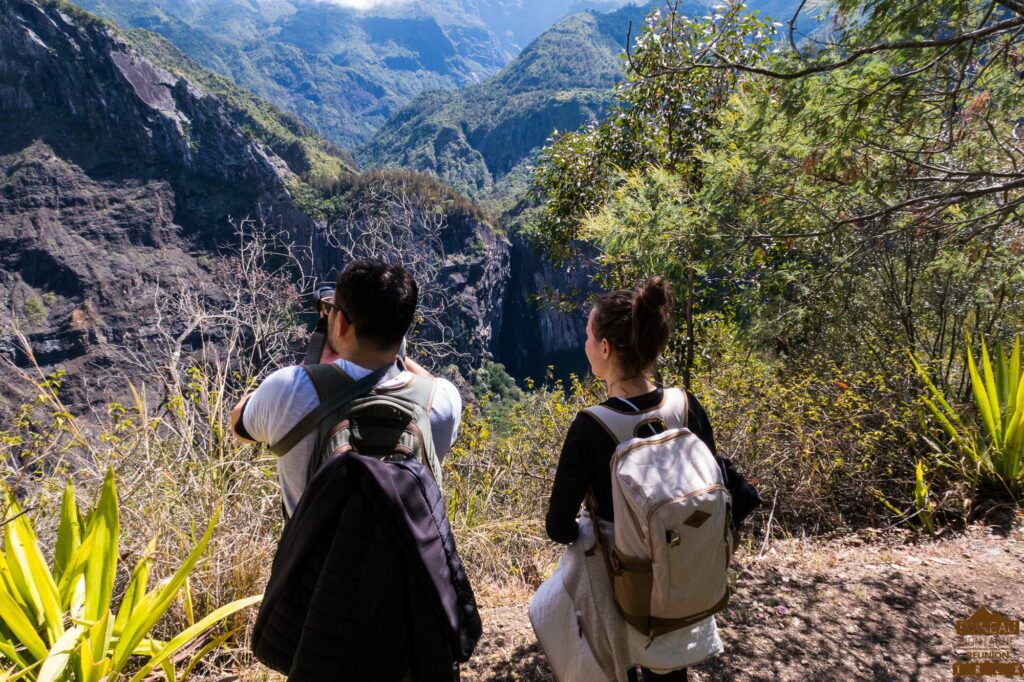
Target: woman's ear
{"x":606,"y":349}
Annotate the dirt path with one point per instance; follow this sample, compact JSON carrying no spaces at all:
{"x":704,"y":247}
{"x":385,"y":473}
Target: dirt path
{"x":861,"y":607}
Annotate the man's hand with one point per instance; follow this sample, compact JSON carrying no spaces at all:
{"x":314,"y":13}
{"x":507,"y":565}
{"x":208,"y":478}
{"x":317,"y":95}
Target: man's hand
{"x":416,"y":368}
{"x":236,"y":418}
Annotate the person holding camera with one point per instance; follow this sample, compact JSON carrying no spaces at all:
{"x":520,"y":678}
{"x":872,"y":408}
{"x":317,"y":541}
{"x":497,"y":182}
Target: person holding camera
{"x":363,"y":324}
{"x":366,"y":581}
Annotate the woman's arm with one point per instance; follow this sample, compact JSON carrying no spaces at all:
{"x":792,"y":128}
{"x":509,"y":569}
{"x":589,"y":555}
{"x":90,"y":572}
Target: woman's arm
{"x":572,"y":480}
{"x":745,"y":497}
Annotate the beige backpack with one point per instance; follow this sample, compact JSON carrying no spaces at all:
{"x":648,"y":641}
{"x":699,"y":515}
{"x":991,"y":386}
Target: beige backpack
{"x":673,"y":538}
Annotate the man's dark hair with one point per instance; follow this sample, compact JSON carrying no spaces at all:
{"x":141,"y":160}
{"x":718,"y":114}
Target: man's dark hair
{"x":379,"y":300}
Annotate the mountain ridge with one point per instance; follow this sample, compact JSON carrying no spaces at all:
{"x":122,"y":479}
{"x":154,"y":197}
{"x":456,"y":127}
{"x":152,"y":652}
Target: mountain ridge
{"x":118,"y":181}
{"x":473,"y":137}
{"x":341,"y":70}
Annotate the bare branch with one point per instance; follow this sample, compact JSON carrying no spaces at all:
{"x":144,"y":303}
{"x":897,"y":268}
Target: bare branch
{"x":721,"y":62}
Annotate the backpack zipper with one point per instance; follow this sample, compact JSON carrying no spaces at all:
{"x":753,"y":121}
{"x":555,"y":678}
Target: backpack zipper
{"x":655,"y":508}
{"x":660,"y":438}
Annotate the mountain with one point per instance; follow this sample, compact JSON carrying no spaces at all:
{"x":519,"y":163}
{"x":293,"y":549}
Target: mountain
{"x":121,"y":162}
{"x":345,"y":66}
{"x":340,"y":69}
{"x":475,"y":136}
{"x":518,"y":22}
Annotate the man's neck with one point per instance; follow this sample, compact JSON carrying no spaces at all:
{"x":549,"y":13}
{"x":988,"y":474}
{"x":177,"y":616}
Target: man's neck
{"x":366,"y":360}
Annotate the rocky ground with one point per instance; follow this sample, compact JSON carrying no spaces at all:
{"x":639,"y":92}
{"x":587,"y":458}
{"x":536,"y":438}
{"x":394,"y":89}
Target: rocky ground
{"x":878,"y":606}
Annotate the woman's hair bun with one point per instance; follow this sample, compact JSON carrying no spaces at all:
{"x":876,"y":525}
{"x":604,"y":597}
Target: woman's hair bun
{"x":654,"y":294}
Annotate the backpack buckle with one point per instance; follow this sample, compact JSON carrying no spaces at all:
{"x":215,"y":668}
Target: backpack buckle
{"x":616,"y":563}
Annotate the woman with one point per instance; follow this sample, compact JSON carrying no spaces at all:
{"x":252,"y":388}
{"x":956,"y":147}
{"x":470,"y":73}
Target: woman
{"x":626,"y":332}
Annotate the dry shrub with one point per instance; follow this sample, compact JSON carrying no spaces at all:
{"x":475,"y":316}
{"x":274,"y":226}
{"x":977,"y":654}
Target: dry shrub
{"x":170,"y":484}
{"x":829,"y":446}
{"x":498,"y":480}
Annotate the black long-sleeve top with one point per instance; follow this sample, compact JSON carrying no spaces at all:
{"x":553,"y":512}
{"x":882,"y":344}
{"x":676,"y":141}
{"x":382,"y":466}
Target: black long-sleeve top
{"x":586,"y":457}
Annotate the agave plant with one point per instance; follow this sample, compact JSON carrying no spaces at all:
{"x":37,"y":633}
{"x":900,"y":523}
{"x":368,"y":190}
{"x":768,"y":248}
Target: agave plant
{"x":996,"y":450}
{"x":58,"y":622}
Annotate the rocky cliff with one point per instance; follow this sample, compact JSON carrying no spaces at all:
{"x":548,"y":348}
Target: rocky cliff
{"x":118,"y":176}
{"x":112,"y":172}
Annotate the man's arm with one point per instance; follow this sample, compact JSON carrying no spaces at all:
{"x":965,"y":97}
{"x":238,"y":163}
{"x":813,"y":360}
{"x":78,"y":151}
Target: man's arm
{"x":237,"y":427}
{"x":280,"y":401}
{"x":416,"y":368}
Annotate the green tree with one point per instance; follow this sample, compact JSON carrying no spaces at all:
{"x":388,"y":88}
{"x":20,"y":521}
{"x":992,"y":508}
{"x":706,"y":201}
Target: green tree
{"x":660,"y":121}
{"x":855,"y":193}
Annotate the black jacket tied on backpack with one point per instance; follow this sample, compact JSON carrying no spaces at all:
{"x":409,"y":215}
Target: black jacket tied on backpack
{"x":367,"y":583}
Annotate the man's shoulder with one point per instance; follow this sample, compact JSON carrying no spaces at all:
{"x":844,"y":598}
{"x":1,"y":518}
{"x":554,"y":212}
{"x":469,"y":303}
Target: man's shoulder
{"x":283,"y":381}
{"x":446,"y":396}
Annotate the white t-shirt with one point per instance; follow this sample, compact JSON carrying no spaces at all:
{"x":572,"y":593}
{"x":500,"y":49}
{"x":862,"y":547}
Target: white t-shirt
{"x":288,"y":395}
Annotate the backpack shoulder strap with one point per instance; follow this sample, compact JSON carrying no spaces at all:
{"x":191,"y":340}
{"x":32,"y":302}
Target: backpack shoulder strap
{"x":622,"y":425}
{"x":619,"y":425}
{"x":418,"y":389}
{"x":675,"y":410}
{"x":327,"y":379}
{"x":335,"y":389}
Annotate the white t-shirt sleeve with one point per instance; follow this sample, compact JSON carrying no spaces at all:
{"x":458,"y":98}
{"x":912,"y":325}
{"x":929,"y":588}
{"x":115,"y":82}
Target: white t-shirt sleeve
{"x":283,"y":398}
{"x":445,"y":415}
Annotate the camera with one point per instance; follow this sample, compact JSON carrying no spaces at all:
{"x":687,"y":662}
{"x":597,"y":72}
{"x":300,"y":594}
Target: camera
{"x":322,"y":295}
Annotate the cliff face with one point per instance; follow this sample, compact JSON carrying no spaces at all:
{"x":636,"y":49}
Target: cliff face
{"x":545,"y":324}
{"x":118,"y":179}
{"x":75,"y":69}
{"x":112,"y":172}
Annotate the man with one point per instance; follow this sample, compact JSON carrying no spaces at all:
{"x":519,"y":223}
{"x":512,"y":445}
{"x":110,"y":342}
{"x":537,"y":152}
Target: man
{"x":370,"y":314}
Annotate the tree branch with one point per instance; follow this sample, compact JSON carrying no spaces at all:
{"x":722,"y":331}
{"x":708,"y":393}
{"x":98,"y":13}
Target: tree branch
{"x":724,"y":63}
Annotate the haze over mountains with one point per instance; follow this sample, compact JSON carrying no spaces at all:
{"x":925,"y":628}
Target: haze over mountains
{"x":344,"y":66}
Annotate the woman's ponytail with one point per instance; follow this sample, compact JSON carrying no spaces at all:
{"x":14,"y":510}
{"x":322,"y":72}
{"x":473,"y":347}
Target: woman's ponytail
{"x":637,"y":323}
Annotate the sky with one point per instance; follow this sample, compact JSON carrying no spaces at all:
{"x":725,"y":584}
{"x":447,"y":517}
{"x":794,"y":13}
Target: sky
{"x":363,"y":4}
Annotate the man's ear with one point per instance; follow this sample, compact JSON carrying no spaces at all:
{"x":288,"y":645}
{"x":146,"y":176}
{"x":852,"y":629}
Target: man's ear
{"x":344,"y":326}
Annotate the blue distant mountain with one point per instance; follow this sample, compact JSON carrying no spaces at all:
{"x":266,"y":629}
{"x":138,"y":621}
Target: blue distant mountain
{"x":344,"y":66}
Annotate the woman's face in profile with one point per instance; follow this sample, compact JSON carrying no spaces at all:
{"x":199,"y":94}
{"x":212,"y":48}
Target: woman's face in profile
{"x":597,"y":351}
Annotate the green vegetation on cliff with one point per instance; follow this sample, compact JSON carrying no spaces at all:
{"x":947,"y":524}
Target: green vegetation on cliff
{"x":306,"y":153}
